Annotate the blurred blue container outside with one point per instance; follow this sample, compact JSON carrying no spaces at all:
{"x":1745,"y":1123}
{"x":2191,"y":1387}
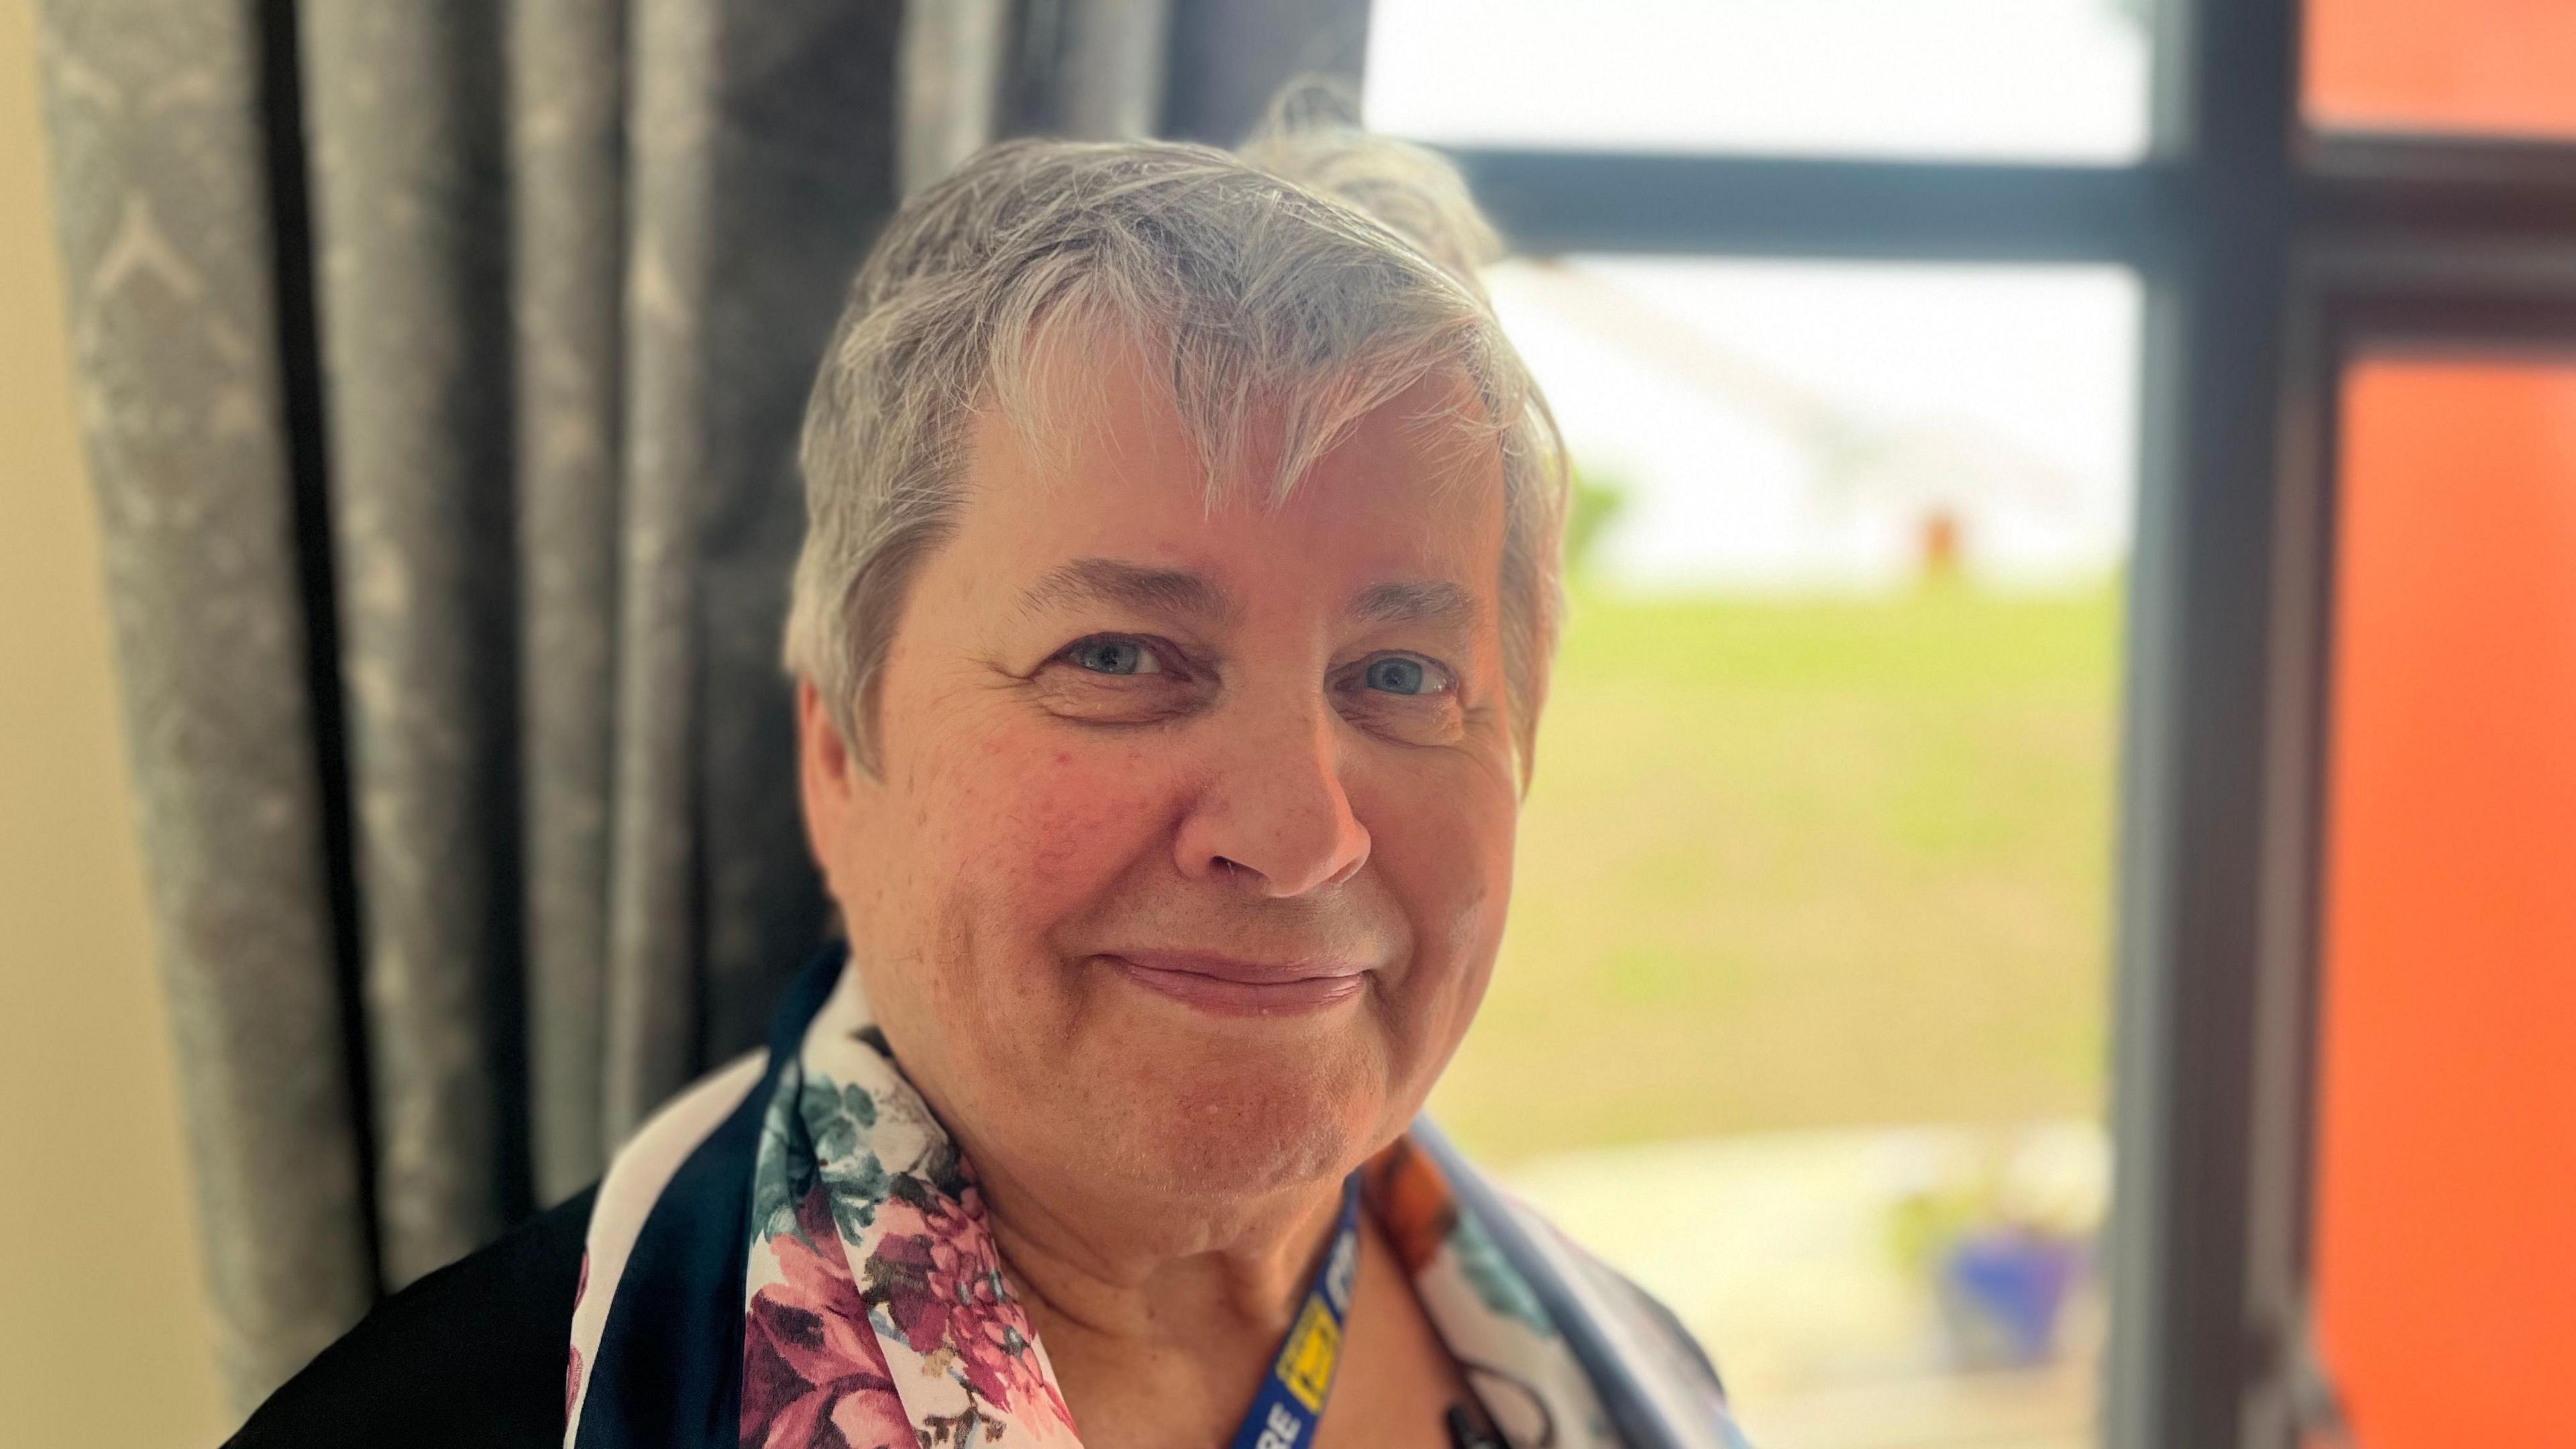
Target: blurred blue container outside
{"x":2003,"y":1294}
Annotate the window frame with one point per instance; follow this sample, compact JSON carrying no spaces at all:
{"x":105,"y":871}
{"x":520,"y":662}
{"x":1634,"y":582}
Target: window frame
{"x":2269,"y":253}
{"x":2472,"y":301}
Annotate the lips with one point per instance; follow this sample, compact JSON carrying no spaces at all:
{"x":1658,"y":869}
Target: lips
{"x":1229,"y":986}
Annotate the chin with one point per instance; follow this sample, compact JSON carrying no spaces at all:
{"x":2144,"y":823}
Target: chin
{"x":1235,"y":1131}
{"x":1204,"y":1159}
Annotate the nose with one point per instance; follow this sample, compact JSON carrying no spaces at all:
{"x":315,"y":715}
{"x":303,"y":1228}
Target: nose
{"x":1275,"y":816}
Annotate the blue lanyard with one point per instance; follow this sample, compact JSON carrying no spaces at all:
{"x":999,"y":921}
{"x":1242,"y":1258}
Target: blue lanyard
{"x":1284,"y":1412}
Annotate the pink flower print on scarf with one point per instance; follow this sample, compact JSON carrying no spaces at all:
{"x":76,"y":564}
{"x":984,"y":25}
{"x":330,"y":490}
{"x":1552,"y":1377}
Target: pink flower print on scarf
{"x":572,"y":1359}
{"x":810,"y":1362}
{"x":939,"y":1281}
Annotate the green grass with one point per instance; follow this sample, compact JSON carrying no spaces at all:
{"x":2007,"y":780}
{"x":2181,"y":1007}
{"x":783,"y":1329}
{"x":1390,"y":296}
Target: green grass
{"x":1806,"y":864}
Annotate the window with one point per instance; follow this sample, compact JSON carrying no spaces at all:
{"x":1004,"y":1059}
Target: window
{"x":1819,"y":848}
{"x":1742,"y":221}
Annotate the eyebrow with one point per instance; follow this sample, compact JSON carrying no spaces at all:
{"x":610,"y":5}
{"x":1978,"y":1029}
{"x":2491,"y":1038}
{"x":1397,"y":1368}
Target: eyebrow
{"x":1109,"y":581}
{"x":1424,"y":601}
{"x":1178,"y":591}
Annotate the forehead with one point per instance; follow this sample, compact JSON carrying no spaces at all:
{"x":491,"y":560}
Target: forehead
{"x":1096,"y":458}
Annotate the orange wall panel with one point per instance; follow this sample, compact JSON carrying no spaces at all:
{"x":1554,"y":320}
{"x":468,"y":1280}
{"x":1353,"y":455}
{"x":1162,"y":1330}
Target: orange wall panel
{"x":2445,"y":1204}
{"x":2494,"y":66}
{"x":2443,"y":66}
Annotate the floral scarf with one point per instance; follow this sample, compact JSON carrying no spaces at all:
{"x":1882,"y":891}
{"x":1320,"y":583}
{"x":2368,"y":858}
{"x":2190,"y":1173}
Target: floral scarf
{"x":794,"y":1253}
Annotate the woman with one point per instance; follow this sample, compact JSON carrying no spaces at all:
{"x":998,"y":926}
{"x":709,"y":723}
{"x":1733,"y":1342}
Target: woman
{"x":1169,"y":637}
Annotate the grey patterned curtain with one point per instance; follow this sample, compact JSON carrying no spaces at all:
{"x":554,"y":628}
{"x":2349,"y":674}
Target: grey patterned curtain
{"x":441,"y":363}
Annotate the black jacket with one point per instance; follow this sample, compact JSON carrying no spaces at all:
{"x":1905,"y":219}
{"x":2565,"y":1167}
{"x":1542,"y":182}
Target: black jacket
{"x":470,"y":1357}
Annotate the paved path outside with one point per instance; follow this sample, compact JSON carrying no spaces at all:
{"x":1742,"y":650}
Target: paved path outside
{"x":1780,"y":1252}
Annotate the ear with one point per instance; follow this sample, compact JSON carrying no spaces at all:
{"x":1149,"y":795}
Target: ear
{"x":827,"y":773}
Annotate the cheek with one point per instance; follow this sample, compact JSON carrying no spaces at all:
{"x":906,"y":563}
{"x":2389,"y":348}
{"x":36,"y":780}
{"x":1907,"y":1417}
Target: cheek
{"x":994,"y":841}
{"x":1032,"y":830}
{"x":1445,"y":850}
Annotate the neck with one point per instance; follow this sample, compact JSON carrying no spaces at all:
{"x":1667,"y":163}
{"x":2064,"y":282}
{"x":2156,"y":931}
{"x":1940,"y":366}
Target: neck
{"x":1110,"y":1277}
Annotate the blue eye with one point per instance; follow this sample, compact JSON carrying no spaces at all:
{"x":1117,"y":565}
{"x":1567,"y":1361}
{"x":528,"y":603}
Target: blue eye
{"x":1398,"y":675}
{"x":1115,"y":656}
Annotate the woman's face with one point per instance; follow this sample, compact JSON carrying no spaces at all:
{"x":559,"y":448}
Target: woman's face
{"x":1185,"y":862}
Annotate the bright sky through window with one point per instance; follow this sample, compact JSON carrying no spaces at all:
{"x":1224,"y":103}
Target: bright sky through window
{"x":2033,"y":80}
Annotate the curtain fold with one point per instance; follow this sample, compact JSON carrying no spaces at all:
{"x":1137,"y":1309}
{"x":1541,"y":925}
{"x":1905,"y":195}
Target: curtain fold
{"x":166,"y":211}
{"x":440,"y":369}
{"x":804,"y":175}
{"x":1110,"y":78}
{"x":652,"y":937}
{"x":403,"y":126}
{"x":567,"y":98}
{"x":949,"y":80}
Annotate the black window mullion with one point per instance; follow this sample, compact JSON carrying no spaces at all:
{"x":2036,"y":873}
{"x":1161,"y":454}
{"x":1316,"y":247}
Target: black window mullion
{"x":2185,"y":1349}
{"x":1553,"y":202}
{"x":2424,"y":190}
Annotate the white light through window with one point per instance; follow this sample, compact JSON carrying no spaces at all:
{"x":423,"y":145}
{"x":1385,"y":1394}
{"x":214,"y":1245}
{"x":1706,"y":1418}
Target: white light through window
{"x":2035,"y":80}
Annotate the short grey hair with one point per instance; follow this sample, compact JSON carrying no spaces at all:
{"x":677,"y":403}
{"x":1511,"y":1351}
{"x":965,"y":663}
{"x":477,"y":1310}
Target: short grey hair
{"x":1297,"y":286}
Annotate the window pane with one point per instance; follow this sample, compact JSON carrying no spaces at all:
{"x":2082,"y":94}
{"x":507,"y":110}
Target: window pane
{"x":2498,"y":67}
{"x":2020,"y":79}
{"x":1802,"y":1013}
{"x":2445,"y":1271}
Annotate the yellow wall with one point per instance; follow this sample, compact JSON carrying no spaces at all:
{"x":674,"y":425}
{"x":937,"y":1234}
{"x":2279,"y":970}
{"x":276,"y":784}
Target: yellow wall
{"x":103,"y":1325}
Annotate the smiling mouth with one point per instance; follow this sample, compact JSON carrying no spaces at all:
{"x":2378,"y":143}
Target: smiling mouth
{"x":1224,"y":987}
